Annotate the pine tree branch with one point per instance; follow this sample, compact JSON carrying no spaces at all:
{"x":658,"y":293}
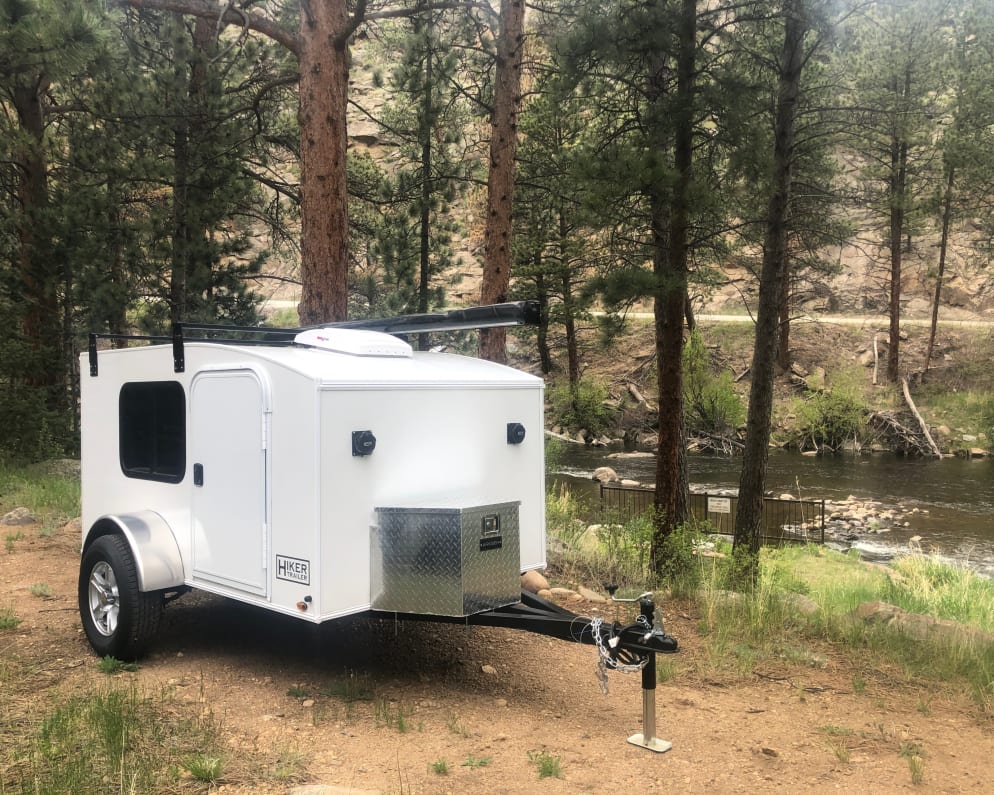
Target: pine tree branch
{"x":225,"y":16}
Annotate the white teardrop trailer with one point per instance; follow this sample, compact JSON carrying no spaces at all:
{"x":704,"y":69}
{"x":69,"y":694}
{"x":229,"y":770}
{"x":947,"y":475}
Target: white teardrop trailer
{"x":322,"y":473}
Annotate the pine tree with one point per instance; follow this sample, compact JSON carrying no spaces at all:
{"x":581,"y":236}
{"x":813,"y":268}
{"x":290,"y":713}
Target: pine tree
{"x":898,"y":52}
{"x":651,"y":148}
{"x":424,"y":117}
{"x":967,"y":141}
{"x":556,"y":248}
{"x":45,"y":45}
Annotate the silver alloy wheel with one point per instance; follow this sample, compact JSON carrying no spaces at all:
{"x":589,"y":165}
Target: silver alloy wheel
{"x":104,"y":604}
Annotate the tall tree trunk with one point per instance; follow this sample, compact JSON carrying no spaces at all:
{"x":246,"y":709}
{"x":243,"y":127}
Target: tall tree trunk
{"x":898,"y":199}
{"x":947,"y":214}
{"x":542,"y":295}
{"x":670,"y":228}
{"x":500,"y":183}
{"x":783,"y":315}
{"x":325,"y":28}
{"x":569,"y":307}
{"x":37,"y":269}
{"x":189,"y":197}
{"x":752,"y":481}
{"x":427,"y":187}
{"x":117,"y":313}
{"x":322,"y":50}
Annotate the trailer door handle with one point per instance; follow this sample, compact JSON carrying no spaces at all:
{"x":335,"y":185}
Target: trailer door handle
{"x":198,"y":474}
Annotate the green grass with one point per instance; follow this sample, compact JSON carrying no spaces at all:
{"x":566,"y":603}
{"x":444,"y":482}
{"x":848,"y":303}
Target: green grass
{"x":548,"y":766}
{"x":204,"y":767}
{"x":476,"y":761}
{"x":933,"y":588}
{"x":52,"y":496}
{"x":8,"y":620}
{"x":762,"y":625}
{"x":112,"y":665}
{"x":394,"y":715}
{"x":41,"y":589}
{"x":771,"y":622}
{"x":283,"y":318}
{"x":114,"y":740}
{"x":351,"y":687}
{"x":440,"y":767}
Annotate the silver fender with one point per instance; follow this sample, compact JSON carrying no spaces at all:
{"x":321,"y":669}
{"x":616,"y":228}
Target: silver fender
{"x":152,"y":543}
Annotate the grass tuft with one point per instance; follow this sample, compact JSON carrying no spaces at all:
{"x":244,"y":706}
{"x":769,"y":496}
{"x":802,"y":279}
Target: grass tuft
{"x":41,"y":589}
{"x":8,"y":620}
{"x":112,"y":665}
{"x":548,"y":766}
{"x":204,"y":768}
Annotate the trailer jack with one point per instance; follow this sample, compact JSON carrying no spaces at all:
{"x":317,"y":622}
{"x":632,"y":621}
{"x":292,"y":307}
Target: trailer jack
{"x":626,"y":648}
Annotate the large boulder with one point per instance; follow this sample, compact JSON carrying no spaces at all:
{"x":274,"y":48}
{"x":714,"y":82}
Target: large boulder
{"x":605,"y":475}
{"x":533,"y":582}
{"x":919,"y":626}
{"x":18,"y":517}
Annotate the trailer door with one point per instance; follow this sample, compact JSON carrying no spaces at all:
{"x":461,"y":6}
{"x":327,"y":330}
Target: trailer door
{"x":229,"y":417}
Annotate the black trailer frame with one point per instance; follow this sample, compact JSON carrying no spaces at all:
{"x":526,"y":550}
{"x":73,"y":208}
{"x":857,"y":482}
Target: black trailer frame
{"x":626,"y":648}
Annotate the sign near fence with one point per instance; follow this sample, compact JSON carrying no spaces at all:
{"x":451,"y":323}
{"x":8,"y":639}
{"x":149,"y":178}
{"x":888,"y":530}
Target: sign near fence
{"x":719,"y":505}
{"x":783,"y":520}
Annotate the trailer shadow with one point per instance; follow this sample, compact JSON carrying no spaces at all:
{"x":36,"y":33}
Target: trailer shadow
{"x":263,"y":643}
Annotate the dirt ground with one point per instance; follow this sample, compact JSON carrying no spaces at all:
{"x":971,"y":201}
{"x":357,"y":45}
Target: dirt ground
{"x":781,"y":727}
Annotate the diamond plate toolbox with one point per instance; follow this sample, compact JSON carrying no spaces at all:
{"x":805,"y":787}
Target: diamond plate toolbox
{"x":452,"y":561}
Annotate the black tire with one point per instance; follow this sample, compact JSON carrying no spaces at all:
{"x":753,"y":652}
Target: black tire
{"x":119,"y":620}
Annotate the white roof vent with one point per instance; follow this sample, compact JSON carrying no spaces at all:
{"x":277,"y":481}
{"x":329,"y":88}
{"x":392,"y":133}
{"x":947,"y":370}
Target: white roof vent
{"x":354,"y":342}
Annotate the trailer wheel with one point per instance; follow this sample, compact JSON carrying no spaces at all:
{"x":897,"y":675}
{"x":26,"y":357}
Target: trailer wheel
{"x":119,"y":620}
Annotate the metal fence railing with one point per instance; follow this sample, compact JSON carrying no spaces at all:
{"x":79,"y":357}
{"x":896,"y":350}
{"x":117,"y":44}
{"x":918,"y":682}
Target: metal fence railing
{"x":784,"y":521}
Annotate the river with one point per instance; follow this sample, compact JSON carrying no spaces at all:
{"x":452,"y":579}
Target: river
{"x":955,"y":496}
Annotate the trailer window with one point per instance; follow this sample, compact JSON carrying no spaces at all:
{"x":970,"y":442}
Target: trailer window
{"x":152,"y":425}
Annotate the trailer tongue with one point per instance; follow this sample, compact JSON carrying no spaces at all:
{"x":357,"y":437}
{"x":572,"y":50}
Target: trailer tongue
{"x":627,"y":648}
{"x":322,"y":473}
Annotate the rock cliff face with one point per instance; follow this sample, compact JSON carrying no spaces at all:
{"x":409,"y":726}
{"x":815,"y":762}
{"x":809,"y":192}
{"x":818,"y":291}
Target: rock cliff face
{"x":859,"y":286}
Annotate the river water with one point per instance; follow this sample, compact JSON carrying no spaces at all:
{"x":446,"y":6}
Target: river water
{"x":955,"y":496}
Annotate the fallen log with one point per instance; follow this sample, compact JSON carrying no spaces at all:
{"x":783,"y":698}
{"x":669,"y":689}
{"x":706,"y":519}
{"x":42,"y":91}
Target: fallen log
{"x":921,"y":423}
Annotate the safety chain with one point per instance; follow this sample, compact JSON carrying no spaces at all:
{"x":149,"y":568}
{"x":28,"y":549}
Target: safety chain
{"x":606,"y":660}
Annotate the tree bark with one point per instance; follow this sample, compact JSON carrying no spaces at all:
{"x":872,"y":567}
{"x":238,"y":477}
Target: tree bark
{"x":898,"y":199}
{"x":783,"y":314}
{"x":542,"y":294}
{"x":324,"y":82}
{"x":322,"y":48}
{"x":947,"y":214}
{"x":670,"y":225}
{"x":752,"y":481}
{"x":500,"y":183}
{"x":569,"y":306}
{"x":189,"y":130}
{"x":37,"y":269}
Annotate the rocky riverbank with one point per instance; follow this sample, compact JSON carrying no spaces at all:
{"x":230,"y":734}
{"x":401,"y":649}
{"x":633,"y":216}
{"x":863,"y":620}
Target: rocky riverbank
{"x":845,"y":521}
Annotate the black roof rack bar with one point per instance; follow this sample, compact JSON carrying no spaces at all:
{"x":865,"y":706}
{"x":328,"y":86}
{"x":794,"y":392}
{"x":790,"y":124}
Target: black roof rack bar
{"x":91,"y":348}
{"x":494,"y":316}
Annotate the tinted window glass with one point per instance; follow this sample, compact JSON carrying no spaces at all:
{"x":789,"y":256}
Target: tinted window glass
{"x":152,"y":425}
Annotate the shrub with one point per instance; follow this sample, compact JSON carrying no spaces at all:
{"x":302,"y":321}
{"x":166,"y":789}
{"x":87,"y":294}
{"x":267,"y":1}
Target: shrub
{"x":831,"y":418}
{"x":711,"y":404}
{"x":676,"y":563}
{"x":581,"y":405}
